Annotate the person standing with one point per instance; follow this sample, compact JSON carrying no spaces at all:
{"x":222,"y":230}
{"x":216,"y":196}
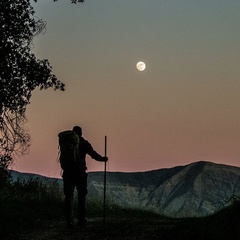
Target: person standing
{"x":76,"y":176}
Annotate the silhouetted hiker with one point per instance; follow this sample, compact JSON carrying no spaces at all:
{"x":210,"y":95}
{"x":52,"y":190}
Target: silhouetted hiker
{"x":73,"y":163}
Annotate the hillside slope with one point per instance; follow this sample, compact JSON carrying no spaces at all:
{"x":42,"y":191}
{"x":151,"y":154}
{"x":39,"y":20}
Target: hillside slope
{"x":197,"y":189}
{"x":194,"y":190}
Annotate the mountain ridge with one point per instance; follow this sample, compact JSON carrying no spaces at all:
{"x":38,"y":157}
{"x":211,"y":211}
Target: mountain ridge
{"x":197,"y":189}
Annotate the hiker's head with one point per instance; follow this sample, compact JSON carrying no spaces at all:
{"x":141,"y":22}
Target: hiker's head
{"x":77,"y":130}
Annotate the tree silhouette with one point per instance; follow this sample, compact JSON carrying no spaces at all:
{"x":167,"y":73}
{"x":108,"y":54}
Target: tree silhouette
{"x":20,"y":73}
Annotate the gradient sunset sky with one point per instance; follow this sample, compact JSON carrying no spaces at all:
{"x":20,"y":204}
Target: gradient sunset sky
{"x":185,"y":107}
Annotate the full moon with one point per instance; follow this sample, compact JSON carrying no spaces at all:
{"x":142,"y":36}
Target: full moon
{"x":141,"y":66}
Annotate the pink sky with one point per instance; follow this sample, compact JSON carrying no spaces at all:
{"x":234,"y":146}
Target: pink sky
{"x":183,"y":108}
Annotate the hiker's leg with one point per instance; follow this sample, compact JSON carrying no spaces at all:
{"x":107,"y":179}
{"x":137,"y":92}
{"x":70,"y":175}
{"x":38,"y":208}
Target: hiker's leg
{"x":68,"y":185}
{"x":82,"y":192}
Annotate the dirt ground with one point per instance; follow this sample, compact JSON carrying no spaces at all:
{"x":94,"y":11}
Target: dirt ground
{"x":95,"y":229}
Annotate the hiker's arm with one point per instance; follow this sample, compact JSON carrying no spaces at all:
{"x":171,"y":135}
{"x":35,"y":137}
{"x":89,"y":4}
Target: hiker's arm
{"x":96,"y":155}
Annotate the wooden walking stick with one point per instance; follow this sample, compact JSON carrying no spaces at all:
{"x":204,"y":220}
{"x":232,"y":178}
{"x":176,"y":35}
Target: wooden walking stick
{"x":105,"y":180}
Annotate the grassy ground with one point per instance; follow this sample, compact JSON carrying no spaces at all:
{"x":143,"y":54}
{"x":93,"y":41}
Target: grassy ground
{"x":31,"y":211}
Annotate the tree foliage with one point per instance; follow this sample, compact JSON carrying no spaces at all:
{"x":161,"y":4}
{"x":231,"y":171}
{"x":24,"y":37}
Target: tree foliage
{"x":20,"y":73}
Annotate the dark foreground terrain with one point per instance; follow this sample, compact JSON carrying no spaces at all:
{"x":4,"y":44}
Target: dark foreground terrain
{"x":114,"y":229}
{"x":34,"y":211}
{"x":129,"y":228}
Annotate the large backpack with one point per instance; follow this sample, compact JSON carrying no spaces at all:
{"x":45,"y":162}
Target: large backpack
{"x":69,"y":149}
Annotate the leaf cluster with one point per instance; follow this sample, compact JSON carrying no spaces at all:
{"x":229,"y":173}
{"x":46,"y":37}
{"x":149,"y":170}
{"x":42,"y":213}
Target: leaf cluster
{"x":20,"y":72}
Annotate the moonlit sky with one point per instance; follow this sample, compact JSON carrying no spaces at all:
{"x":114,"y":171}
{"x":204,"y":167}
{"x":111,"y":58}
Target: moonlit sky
{"x":185,"y":107}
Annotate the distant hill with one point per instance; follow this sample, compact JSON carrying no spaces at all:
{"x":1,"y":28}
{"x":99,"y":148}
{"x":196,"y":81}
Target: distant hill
{"x":27,"y":176}
{"x":197,"y":189}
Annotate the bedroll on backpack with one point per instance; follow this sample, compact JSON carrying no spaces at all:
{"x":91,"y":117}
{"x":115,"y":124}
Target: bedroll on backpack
{"x":69,"y":149}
